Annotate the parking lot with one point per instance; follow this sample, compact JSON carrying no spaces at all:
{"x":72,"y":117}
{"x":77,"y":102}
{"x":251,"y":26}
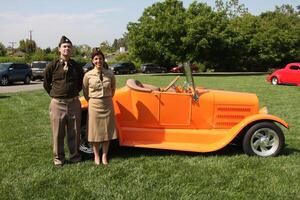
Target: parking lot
{"x":19,"y":86}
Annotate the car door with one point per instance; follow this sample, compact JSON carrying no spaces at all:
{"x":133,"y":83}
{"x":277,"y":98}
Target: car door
{"x":13,"y":73}
{"x":175,"y":109}
{"x":21,"y":70}
{"x":156,"y":68}
{"x":127,"y":68}
{"x":294,"y":74}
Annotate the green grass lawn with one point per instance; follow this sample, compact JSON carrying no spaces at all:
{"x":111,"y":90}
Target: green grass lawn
{"x":27,"y":172}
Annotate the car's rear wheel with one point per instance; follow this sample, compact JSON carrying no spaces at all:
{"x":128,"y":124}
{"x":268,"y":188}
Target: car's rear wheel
{"x":274,"y":80}
{"x":4,"y":81}
{"x":27,"y":80}
{"x":263,"y":139}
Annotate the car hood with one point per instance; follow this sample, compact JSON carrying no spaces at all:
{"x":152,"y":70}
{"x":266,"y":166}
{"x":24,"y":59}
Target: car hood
{"x":235,"y":98}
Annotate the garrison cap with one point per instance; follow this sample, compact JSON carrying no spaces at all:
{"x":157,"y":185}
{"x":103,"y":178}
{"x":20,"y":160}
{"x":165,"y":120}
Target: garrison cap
{"x":97,"y":51}
{"x":64,"y":39}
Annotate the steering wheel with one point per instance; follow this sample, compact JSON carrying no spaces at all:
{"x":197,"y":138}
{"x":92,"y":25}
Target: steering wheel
{"x":171,"y":84}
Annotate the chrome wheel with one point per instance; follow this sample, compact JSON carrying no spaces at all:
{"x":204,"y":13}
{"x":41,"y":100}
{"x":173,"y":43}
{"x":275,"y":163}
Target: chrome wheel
{"x":263,"y":139}
{"x":274,"y":81}
{"x":264,"y":142}
{"x":85,"y":146}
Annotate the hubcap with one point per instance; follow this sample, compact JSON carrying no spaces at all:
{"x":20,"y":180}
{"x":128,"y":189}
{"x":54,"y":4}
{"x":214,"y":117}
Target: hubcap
{"x":274,"y":81}
{"x":264,"y":142}
{"x":4,"y":81}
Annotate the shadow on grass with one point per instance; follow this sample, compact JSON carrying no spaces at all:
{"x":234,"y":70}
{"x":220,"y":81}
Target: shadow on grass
{"x":290,"y":151}
{"x":4,"y":97}
{"x":127,"y":152}
{"x":117,"y":151}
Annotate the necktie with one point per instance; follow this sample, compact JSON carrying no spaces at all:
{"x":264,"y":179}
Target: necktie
{"x":101,"y":76}
{"x":66,"y":66}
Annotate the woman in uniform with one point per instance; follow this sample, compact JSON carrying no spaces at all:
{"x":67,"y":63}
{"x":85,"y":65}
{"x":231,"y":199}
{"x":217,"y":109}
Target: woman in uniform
{"x":99,"y":86}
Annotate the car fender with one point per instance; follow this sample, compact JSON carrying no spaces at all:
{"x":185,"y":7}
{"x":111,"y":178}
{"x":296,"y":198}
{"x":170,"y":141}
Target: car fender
{"x":234,"y":131}
{"x":238,"y":128}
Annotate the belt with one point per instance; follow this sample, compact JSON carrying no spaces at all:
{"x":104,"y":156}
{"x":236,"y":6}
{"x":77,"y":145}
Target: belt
{"x":66,"y":100}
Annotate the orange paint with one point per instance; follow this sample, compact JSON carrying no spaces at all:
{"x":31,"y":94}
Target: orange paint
{"x":172,"y":120}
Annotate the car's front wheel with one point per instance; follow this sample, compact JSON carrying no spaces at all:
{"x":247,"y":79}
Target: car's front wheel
{"x":4,"y":81}
{"x":263,"y":139}
{"x":274,"y":80}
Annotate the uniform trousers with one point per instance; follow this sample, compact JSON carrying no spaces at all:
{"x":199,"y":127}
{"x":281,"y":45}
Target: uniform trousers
{"x":65,"y":116}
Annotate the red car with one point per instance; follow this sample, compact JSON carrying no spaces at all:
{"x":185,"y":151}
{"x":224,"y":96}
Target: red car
{"x":290,"y":74}
{"x":180,"y":69}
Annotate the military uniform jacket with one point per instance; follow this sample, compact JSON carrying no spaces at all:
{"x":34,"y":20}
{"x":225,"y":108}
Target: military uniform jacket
{"x":60,"y":83}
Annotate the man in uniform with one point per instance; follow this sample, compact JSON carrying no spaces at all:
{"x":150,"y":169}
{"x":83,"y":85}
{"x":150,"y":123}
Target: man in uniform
{"x":63,"y":82}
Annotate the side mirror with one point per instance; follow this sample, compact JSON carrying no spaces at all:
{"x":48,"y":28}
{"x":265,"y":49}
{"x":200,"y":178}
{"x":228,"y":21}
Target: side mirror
{"x":10,"y":69}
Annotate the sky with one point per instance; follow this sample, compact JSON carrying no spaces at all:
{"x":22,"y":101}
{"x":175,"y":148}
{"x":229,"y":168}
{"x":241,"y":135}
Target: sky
{"x":86,"y":21}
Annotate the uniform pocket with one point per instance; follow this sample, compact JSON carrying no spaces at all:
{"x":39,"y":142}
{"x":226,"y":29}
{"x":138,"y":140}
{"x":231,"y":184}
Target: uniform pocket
{"x":58,"y":76}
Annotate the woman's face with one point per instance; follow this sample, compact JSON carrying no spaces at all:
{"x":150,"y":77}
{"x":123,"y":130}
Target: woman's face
{"x":98,"y":61}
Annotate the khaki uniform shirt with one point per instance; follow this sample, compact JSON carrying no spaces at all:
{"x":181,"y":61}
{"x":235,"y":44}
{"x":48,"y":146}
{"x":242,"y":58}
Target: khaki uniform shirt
{"x":93,"y":87}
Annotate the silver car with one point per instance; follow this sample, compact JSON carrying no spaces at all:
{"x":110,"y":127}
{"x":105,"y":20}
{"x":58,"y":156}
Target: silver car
{"x":38,"y":68}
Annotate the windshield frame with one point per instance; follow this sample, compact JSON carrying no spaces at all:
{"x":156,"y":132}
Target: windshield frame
{"x":190,"y":81}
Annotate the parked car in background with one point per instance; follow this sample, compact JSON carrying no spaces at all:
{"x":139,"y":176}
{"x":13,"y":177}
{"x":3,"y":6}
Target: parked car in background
{"x":13,"y":72}
{"x":123,"y":68}
{"x":152,"y":68}
{"x":180,"y":69}
{"x":290,"y":74}
{"x":87,"y":67}
{"x":38,"y":68}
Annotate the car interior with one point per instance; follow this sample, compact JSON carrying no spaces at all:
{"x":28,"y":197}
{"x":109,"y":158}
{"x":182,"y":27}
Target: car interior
{"x":137,"y":85}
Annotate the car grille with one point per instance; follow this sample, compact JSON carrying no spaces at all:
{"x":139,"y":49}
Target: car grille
{"x":228,"y":116}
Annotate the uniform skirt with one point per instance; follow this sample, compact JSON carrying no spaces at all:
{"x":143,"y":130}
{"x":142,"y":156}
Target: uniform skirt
{"x":101,"y":122}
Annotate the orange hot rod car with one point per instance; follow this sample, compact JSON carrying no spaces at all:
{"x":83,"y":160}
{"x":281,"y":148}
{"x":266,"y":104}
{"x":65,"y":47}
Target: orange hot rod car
{"x":193,"y":119}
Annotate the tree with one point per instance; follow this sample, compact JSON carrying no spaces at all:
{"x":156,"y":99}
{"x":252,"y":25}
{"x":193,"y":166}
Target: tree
{"x":39,"y":54}
{"x":84,"y":50}
{"x":121,"y":42}
{"x":277,"y":40}
{"x":204,"y":41}
{"x":226,"y":38}
{"x":156,"y":37}
{"x":47,"y":50}
{"x":27,"y":46}
{"x":242,"y":54}
{"x":231,"y":8}
{"x":2,"y":50}
{"x":105,"y":47}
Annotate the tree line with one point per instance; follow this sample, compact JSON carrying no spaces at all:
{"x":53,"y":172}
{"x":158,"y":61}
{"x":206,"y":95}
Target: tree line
{"x":224,"y":38}
{"x":32,"y":52}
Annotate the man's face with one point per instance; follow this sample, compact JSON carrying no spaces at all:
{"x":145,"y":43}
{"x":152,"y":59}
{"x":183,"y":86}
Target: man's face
{"x":65,"y":49}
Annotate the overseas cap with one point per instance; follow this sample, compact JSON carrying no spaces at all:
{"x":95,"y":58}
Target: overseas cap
{"x":64,"y":39}
{"x":97,"y":51}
